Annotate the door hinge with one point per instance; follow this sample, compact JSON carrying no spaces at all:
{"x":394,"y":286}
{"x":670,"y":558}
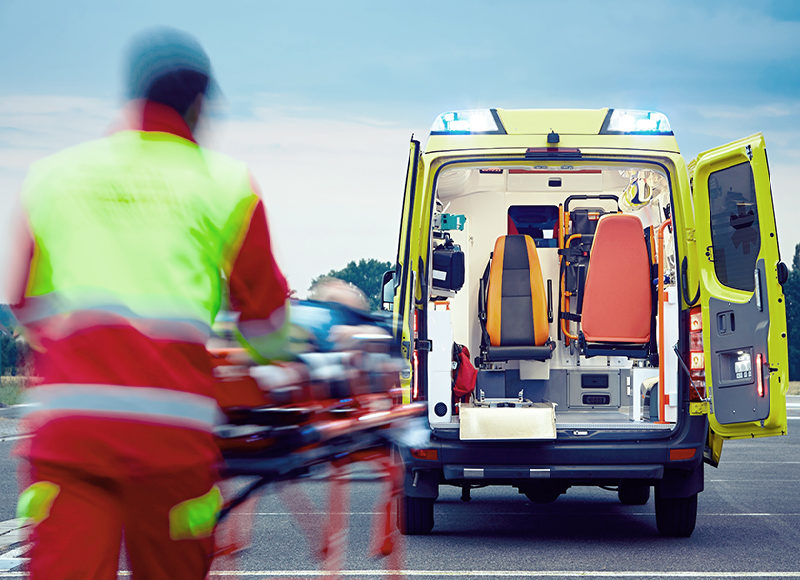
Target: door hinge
{"x":426,"y":345}
{"x":710,"y":253}
{"x":689,"y":234}
{"x":749,"y":151}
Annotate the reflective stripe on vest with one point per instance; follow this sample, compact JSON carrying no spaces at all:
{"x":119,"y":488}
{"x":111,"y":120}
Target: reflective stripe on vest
{"x":52,"y":310}
{"x":150,"y":404}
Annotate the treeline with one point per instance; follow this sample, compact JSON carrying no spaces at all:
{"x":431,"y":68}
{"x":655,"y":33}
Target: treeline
{"x":14,"y":352}
{"x":791,"y":290}
{"x":366,"y":274}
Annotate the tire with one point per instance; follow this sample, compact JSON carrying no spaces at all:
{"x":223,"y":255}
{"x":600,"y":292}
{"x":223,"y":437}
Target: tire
{"x":633,"y":493}
{"x":415,"y":515}
{"x":676,"y":516}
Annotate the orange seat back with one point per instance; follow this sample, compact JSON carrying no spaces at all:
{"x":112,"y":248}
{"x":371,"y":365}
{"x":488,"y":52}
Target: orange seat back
{"x":516,"y":305}
{"x":617,"y":302}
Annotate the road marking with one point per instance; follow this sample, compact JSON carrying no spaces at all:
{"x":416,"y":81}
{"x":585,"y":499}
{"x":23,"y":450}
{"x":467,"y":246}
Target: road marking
{"x":743,"y":480}
{"x":765,"y":462}
{"x":11,"y":559}
{"x":483,"y":573}
{"x":527,"y":514}
{"x":306,"y":513}
{"x":627,"y":514}
{"x":509,"y":573}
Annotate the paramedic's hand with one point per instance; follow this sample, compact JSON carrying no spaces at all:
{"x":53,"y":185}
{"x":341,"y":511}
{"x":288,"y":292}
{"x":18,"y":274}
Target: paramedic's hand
{"x":300,"y":341}
{"x":272,"y":346}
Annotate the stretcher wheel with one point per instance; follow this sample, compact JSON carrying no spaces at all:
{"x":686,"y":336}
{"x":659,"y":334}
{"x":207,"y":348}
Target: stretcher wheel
{"x":415,"y":515}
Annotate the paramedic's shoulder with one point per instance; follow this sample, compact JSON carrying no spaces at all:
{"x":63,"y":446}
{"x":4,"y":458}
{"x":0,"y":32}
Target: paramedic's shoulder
{"x":62,"y":167}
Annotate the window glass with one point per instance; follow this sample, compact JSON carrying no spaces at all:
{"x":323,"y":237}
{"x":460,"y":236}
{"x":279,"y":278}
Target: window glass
{"x":735,"y":232}
{"x":536,"y":221}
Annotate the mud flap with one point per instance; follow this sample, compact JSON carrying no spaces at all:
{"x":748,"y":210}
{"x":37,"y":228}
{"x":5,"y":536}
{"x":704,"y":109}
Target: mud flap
{"x":713,"y":448}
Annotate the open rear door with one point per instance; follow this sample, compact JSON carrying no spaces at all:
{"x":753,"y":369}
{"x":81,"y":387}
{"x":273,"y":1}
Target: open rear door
{"x":404,"y":272}
{"x":744,"y":317}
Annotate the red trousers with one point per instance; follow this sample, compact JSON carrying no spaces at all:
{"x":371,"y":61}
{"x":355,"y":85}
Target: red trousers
{"x":91,"y":517}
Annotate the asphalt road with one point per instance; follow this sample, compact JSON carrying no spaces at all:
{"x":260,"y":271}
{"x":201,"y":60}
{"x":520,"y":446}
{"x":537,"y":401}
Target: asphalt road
{"x":748,"y":526}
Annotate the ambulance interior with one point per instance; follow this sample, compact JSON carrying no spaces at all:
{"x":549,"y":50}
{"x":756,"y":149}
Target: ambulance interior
{"x":580,"y":333}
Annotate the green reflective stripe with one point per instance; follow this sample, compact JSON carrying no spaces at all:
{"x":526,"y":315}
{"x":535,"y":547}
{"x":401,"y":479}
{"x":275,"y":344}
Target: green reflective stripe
{"x":99,"y":226}
{"x":196,"y":517}
{"x":142,"y":403}
{"x":36,"y":500}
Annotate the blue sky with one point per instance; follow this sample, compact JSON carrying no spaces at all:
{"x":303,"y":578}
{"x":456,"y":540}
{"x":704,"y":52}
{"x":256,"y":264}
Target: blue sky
{"x":320,"y":98}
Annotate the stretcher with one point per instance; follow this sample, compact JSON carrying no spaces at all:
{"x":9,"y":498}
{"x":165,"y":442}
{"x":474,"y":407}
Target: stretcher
{"x":337,"y":403}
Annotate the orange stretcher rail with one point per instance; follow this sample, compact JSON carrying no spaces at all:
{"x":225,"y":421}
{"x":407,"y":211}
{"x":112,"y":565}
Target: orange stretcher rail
{"x":661,"y":298}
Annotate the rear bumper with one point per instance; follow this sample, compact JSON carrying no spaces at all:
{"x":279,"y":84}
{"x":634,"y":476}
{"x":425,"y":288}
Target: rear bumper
{"x":576,"y":473}
{"x":599,"y":459}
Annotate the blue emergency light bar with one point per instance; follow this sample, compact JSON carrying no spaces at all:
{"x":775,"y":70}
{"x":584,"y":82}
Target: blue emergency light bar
{"x":635,"y":122}
{"x":468,"y":122}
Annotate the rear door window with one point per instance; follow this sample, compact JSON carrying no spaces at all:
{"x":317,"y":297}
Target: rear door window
{"x":735,"y":233}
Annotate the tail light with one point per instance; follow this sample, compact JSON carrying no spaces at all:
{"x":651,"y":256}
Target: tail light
{"x":760,"y":374}
{"x":429,"y":454}
{"x":697,"y":359}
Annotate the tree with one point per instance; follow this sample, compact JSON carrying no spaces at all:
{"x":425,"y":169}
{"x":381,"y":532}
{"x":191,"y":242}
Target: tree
{"x":791,"y":290}
{"x":366,"y":275}
{"x":8,"y":354}
{"x":14,"y":351}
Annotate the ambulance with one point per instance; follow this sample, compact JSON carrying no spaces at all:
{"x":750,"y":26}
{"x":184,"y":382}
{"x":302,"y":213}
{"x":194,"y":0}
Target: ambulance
{"x":578,"y":307}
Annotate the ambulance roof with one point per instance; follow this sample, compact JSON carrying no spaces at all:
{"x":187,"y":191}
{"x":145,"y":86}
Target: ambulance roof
{"x":480,"y":129}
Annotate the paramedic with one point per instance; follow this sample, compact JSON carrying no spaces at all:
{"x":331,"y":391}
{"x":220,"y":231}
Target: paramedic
{"x":131,"y":243}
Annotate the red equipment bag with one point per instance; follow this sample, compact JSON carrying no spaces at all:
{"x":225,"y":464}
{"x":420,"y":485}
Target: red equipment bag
{"x":465,"y":374}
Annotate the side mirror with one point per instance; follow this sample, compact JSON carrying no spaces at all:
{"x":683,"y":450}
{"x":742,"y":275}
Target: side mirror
{"x":783,"y":273}
{"x":388,"y":286}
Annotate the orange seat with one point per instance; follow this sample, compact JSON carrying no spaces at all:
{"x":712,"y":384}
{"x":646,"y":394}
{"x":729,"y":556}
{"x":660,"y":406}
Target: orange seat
{"x":513,"y":303}
{"x":617,"y":303}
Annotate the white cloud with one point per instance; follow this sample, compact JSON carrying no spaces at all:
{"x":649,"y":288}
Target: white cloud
{"x":333,"y":187}
{"x":333,"y":184}
{"x":784,"y":178}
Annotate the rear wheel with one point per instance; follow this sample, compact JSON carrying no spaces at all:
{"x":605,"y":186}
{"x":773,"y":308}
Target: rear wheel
{"x":415,"y":515}
{"x":633,"y":493}
{"x":676,"y":516}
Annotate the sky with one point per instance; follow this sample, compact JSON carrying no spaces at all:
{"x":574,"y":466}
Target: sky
{"x":321,"y":98}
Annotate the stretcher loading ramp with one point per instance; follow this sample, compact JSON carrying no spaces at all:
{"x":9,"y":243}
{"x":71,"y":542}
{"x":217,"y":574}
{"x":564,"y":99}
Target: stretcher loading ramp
{"x":535,"y":421}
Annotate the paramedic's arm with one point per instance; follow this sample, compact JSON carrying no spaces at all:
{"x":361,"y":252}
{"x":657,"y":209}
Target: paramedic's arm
{"x":259,"y":291}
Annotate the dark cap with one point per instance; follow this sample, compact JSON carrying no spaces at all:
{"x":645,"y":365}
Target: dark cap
{"x":168,"y":66}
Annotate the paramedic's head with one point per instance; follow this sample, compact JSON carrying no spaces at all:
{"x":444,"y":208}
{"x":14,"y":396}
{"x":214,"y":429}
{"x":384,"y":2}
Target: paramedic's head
{"x":170,"y":67}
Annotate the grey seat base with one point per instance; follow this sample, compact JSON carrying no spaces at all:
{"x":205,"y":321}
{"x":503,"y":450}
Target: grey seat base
{"x":507,"y":353}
